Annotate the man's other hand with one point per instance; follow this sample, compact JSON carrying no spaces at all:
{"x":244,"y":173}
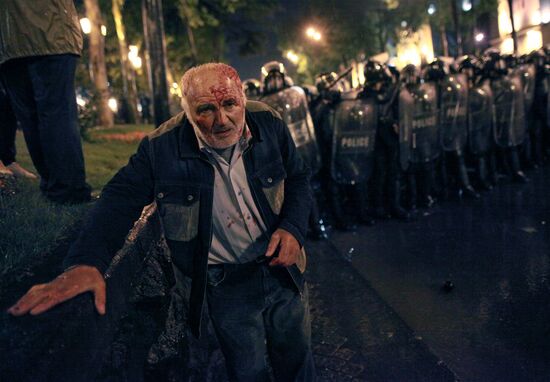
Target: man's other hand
{"x":74,"y":281}
{"x":289,"y":248}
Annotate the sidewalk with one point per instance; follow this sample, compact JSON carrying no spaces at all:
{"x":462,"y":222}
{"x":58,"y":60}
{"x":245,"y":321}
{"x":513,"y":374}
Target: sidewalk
{"x":356,"y":335}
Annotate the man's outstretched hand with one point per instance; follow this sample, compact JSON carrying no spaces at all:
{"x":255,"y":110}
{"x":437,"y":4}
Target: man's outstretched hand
{"x":289,"y":248}
{"x":77,"y":280}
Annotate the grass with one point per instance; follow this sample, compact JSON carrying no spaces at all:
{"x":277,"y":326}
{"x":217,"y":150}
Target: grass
{"x":30,"y":225}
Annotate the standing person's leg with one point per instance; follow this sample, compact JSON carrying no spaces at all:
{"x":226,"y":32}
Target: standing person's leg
{"x":288,"y":327}
{"x":52,"y":80}
{"x":18,"y":86}
{"x":8,"y":127}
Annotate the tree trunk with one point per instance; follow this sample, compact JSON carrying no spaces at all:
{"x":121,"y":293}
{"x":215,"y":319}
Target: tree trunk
{"x":127,"y":71}
{"x":444,"y":42}
{"x":153,"y":30}
{"x":458,"y":35}
{"x":97,"y":63}
{"x":186,"y":15}
{"x":514,"y":34}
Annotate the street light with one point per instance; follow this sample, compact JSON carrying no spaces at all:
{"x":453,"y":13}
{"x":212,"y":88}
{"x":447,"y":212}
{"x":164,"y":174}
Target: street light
{"x":479,"y":37}
{"x":431,"y":9}
{"x":86,"y":25}
{"x":466,"y":5}
{"x":313,"y":34}
{"x":292,"y":57}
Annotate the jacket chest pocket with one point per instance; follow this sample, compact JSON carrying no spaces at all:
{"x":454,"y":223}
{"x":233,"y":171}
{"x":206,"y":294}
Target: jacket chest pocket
{"x":272,"y":180}
{"x":179,"y":208}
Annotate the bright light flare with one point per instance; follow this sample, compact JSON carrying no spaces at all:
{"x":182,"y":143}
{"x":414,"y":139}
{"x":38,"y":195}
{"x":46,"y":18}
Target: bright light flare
{"x":292,"y":57}
{"x":113,"y":105}
{"x":86,"y":25}
{"x":80,"y":101}
{"x":133,"y":56}
{"x":313,"y":34}
{"x":431,"y":9}
{"x":479,"y":37}
{"x":466,"y":5}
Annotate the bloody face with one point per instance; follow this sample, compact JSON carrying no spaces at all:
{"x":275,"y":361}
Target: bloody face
{"x":216,"y":107}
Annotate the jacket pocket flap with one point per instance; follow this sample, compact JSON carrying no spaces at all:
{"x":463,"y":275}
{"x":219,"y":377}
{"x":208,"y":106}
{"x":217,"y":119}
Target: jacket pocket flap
{"x":272,"y":175}
{"x":184,"y":195}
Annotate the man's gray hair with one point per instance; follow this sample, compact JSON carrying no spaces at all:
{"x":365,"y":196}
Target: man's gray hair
{"x":191,"y":74}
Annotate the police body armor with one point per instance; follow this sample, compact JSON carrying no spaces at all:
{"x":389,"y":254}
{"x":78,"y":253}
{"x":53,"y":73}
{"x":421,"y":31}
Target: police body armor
{"x":406,"y":116}
{"x":480,"y":118}
{"x":291,"y":104}
{"x":421,"y":115}
{"x":509,"y":125}
{"x":354,"y":133}
{"x":527,"y":74}
{"x":453,"y":117}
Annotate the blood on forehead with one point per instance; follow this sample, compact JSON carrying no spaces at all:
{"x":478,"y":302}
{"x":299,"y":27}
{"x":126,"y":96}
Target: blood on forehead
{"x":224,"y":88}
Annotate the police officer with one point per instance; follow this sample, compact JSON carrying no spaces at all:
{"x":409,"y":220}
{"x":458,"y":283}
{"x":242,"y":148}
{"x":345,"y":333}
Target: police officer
{"x":275,"y":83}
{"x":480,"y":113}
{"x":451,"y":101}
{"x":252,"y":89}
{"x":379,"y":80}
{"x":506,"y":99}
{"x":424,"y":119}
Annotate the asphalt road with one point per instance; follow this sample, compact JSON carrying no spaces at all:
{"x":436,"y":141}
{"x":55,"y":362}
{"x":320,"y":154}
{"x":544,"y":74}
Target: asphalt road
{"x":492,"y":323}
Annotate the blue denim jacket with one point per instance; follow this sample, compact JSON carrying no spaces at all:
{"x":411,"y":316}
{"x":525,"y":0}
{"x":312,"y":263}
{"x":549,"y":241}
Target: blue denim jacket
{"x":170,"y":169}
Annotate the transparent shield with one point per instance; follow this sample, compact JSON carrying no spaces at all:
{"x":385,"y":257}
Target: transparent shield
{"x":355,"y":122}
{"x":291,"y":104}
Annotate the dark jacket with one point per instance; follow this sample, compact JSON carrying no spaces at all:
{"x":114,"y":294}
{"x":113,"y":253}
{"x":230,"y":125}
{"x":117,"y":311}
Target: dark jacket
{"x":31,"y":28}
{"x":170,"y":169}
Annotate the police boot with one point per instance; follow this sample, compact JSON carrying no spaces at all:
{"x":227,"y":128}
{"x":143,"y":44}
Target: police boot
{"x":482,"y":174}
{"x":518,"y":175}
{"x":379,"y":212}
{"x":413,"y":193}
{"x":493,"y":176}
{"x":464,"y":180}
{"x":441,"y":166}
{"x":396,"y":211}
{"x":426,"y":199}
{"x":361,"y":195}
{"x":340,"y":221}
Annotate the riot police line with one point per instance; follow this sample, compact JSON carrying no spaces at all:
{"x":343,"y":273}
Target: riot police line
{"x":449,"y":128}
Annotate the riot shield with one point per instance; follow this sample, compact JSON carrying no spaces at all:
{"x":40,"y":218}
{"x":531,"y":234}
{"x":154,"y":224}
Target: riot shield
{"x":527,"y":73}
{"x":354,"y":134}
{"x":480,"y":112}
{"x":425,"y":145}
{"x":509,"y":125}
{"x":406,"y":116}
{"x":291,"y":103}
{"x":453,"y":117}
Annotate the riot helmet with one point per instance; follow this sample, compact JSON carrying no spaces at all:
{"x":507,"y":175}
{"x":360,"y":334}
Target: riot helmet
{"x":494,"y":66}
{"x":379,"y":79}
{"x":510,"y":60}
{"x":435,"y":71}
{"x":252,"y":88}
{"x":470,"y":66}
{"x":409,"y":75}
{"x":537,"y":57}
{"x":273,"y":77}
